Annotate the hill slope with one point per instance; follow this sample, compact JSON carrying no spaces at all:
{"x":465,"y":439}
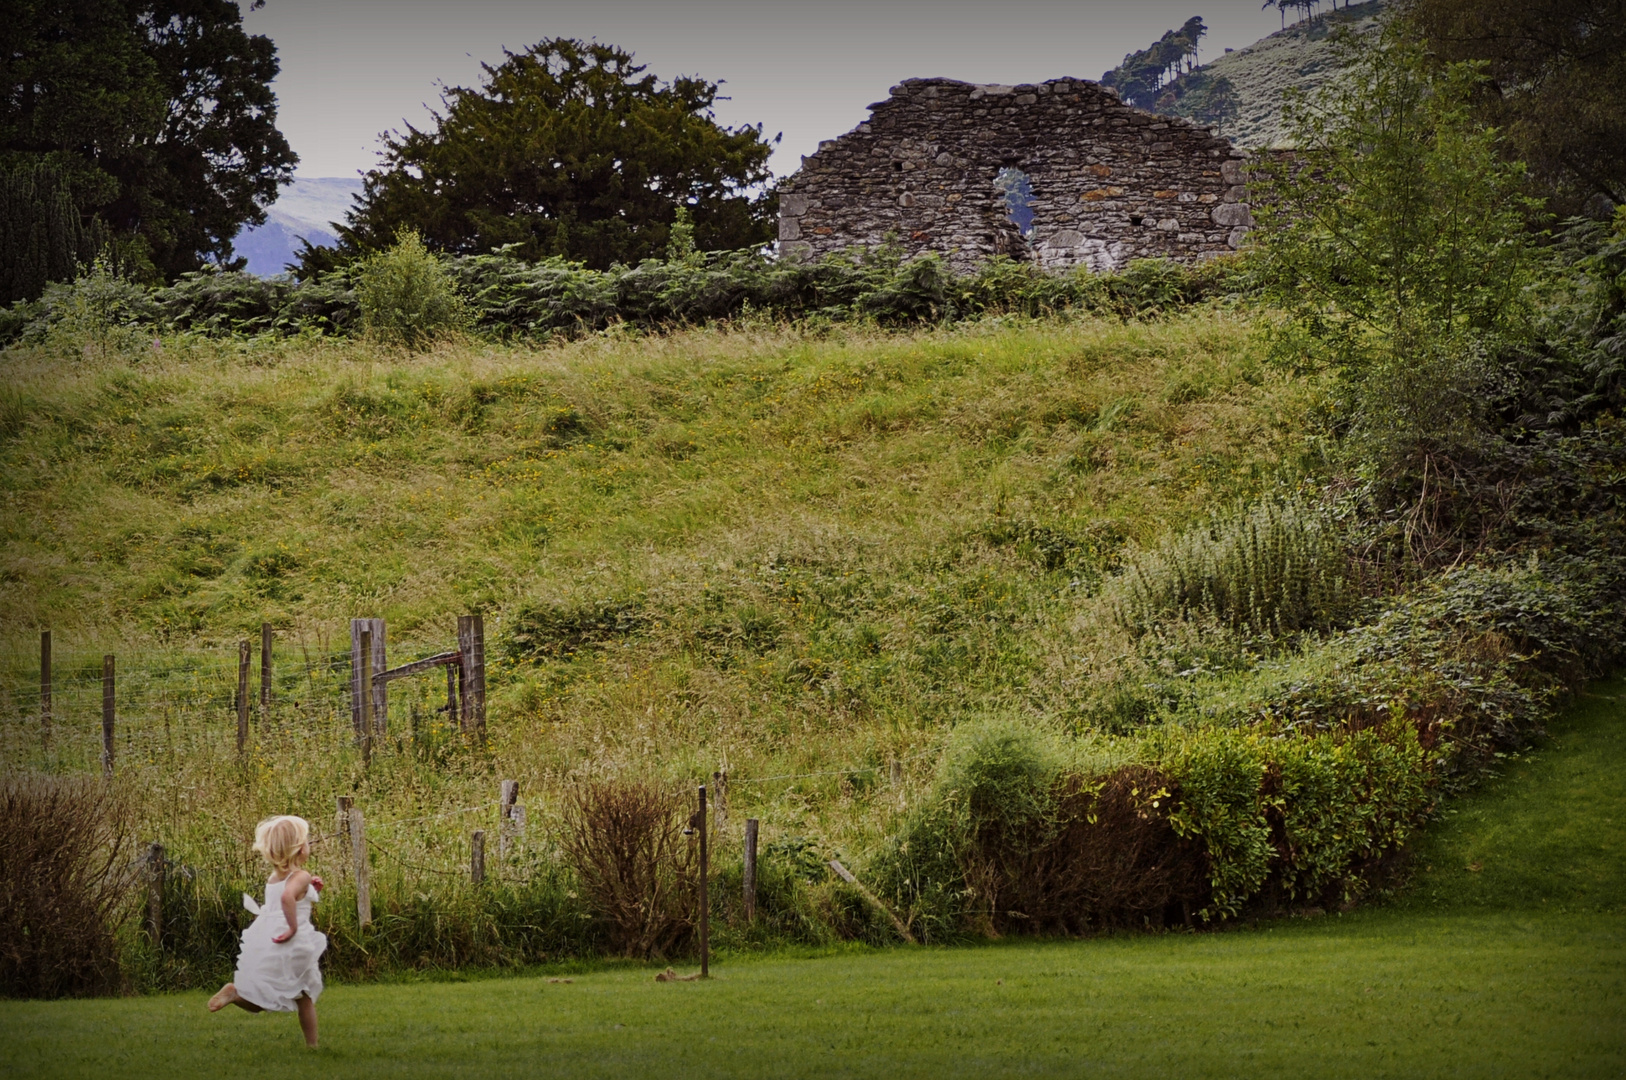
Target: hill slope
{"x":1301,"y":57}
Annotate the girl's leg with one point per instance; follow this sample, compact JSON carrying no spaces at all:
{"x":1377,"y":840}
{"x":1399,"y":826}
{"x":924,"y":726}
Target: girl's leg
{"x":307,"y":1018}
{"x":226,"y":995}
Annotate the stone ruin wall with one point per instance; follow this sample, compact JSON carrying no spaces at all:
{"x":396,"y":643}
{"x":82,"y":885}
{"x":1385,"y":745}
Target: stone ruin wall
{"x":1110,"y":183}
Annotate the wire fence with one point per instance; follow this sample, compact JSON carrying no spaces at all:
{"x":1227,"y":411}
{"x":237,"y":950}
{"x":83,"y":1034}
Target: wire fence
{"x":175,"y":733}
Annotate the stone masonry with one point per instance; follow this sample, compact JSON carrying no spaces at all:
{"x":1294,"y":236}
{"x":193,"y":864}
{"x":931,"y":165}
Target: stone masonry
{"x":1110,"y":183}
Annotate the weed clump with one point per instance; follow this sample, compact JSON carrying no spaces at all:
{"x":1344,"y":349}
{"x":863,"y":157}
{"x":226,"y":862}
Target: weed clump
{"x":626,"y":840}
{"x":65,"y":882}
{"x":1272,"y":568}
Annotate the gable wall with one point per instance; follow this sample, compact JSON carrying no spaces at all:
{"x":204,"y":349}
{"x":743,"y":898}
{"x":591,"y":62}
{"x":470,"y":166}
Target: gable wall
{"x":1110,"y":183}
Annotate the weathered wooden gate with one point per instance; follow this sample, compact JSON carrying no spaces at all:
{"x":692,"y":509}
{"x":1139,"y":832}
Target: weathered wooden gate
{"x":465,"y":675}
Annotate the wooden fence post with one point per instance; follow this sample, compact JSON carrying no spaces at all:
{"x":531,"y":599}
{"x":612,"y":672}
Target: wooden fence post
{"x":155,"y":894}
{"x":243,"y":654}
{"x":750,"y":874}
{"x":477,"y":856}
{"x":508,"y":794}
{"x":45,"y":686}
{"x":365,"y":727}
{"x":341,"y":832}
{"x":705,"y":899}
{"x":380,"y":662}
{"x":358,"y":850}
{"x":265,"y":670}
{"x":471,"y":643}
{"x":107,"y":715}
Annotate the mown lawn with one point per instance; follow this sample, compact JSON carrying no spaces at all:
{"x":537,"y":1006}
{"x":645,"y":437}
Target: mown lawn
{"x":1516,"y":968}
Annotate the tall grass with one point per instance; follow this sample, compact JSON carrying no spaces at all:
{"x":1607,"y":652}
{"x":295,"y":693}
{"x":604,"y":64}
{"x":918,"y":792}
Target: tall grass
{"x":1266,"y":568}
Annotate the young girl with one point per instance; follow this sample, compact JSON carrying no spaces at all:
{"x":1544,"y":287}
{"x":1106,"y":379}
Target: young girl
{"x":277,"y":965}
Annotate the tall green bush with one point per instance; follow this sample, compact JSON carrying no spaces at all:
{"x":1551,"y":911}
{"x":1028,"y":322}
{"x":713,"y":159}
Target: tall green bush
{"x":406,"y":296}
{"x":1395,"y":239}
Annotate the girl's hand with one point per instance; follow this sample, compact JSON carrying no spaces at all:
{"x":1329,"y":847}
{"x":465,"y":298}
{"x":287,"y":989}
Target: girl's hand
{"x":285,"y":936}
{"x":316,"y":883}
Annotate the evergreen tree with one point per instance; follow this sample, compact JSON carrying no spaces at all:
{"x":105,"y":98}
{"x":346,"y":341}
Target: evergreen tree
{"x":568,"y":149}
{"x":157,"y":113}
{"x":41,"y":236}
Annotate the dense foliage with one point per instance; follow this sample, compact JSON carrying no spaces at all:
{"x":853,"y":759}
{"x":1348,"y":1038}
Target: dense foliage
{"x":159,"y":114}
{"x":506,"y":297}
{"x":42,"y":236}
{"x":1555,"y":79}
{"x":1394,"y":239}
{"x":1139,"y":78}
{"x":569,"y":150}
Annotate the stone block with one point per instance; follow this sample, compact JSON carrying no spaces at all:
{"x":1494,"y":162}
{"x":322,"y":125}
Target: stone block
{"x":795,"y":250}
{"x":790,"y":228}
{"x":1238,"y":235}
{"x":1236,"y":214}
{"x":792,"y":205}
{"x":1231,"y":171}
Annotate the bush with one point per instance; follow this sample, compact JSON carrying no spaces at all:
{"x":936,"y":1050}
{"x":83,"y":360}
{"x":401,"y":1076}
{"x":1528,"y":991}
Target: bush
{"x":407,"y":297}
{"x":97,"y":315}
{"x":625,"y":840}
{"x":1272,"y":568}
{"x":1011,"y":840}
{"x":64,"y":884}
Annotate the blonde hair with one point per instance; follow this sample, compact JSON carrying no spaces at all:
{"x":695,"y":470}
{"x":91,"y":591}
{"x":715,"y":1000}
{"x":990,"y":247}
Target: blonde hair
{"x":281,"y":839}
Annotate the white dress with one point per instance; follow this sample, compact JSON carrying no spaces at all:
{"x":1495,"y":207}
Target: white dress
{"x":272,"y":975}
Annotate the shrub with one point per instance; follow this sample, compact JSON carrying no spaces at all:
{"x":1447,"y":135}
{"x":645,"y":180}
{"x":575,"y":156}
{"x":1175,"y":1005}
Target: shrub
{"x":1272,"y":568}
{"x":625,"y":840}
{"x":1012,"y":841}
{"x":99,"y":314}
{"x":407,"y":297}
{"x":64,"y":884}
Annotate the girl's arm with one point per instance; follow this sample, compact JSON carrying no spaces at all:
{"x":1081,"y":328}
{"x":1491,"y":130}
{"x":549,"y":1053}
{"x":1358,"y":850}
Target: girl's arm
{"x":292,"y":890}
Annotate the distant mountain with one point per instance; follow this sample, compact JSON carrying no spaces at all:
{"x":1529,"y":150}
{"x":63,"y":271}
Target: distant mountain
{"x":1255,"y":77}
{"x":305,"y":210}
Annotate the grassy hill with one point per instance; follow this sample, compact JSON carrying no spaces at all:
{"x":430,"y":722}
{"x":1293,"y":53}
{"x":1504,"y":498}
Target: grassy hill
{"x":793,"y":553}
{"x":1301,"y":57}
{"x":866,"y":506}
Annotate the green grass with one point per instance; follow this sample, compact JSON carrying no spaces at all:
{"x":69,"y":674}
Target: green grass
{"x":1515,"y":970}
{"x":835,"y":546}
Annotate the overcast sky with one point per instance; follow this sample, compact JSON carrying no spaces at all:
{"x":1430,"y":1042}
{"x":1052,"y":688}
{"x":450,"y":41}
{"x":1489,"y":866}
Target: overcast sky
{"x":354,"y":68}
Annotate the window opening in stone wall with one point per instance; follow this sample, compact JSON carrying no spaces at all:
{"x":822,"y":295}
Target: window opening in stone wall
{"x":1018,"y":192}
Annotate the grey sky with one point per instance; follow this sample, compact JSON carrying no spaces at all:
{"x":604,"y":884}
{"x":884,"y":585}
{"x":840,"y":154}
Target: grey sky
{"x":354,"y":68}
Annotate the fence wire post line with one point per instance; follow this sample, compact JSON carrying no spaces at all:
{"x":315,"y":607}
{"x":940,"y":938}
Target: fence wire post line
{"x":365,"y":726}
{"x":358,"y":849}
{"x":749,"y":877}
{"x":45,"y":689}
{"x":705,"y":898}
{"x":265,"y":671}
{"x":242,"y":695}
{"x":107,"y":715}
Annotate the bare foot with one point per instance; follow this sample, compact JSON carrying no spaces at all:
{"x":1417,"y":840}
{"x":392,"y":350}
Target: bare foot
{"x":226,"y":995}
